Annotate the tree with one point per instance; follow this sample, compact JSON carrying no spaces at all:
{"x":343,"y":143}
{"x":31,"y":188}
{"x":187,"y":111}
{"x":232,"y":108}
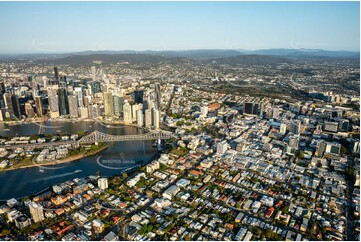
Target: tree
{"x":124,"y":175}
{"x":187,"y":237}
{"x":5,"y":232}
{"x":81,"y":133}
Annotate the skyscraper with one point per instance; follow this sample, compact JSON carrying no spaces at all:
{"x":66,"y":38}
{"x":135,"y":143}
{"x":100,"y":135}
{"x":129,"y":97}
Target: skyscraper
{"x":156,"y":118}
{"x":56,"y":75}
{"x":140,"y":118}
{"x":79,"y":94}
{"x":320,"y":148}
{"x":158,"y":96}
{"x":83,"y":111}
{"x":135,"y":108}
{"x":248,"y":108}
{"x":94,"y":111}
{"x":73,"y":106}
{"x":12,"y":105}
{"x":127,"y":113}
{"x":94,"y":72}
{"x":95,"y":87}
{"x":63,"y":101}
{"x":53,"y":103}
{"x":116,"y":105}
{"x":29,"y":111}
{"x":2,"y":88}
{"x":2,"y":91}
{"x":148,"y":118}
{"x":36,"y":211}
{"x":39,"y":106}
{"x":138,"y":96}
{"x":108,"y":103}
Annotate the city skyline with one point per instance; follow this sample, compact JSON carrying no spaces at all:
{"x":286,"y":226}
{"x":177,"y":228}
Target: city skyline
{"x":80,"y":26}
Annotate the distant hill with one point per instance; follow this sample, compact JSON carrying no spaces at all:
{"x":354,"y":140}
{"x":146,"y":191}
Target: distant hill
{"x":181,"y":56}
{"x":115,"y":58}
{"x":250,"y":60}
{"x":305,"y":53}
{"x":192,"y":54}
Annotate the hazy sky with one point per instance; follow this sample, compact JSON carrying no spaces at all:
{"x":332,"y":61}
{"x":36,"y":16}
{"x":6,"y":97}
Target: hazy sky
{"x":34,"y":27}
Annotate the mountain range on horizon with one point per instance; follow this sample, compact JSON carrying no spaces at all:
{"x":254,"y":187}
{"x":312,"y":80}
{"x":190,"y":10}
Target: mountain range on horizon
{"x":205,"y":56}
{"x":201,"y":53}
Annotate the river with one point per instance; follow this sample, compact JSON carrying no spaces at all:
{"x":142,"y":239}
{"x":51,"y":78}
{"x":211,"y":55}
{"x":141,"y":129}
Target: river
{"x":118,"y":157}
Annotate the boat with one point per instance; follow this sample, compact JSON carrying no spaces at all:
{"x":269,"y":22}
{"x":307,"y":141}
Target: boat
{"x":155,"y":144}
{"x":78,"y":171}
{"x":6,"y":129}
{"x":41,"y":169}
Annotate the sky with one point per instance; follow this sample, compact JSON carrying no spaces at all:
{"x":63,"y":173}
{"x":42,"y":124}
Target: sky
{"x":41,"y":27}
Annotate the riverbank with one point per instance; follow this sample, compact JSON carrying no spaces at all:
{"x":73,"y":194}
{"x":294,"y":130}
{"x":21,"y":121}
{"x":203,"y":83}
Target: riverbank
{"x":58,"y":162}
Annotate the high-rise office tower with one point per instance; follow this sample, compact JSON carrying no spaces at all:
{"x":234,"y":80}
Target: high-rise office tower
{"x":2,"y":92}
{"x":127,"y":113}
{"x":116,"y":105}
{"x":53,"y":103}
{"x":94,"y":111}
{"x":73,"y":106}
{"x":94,"y":72}
{"x":135,"y":108}
{"x":158,"y":96}
{"x":12,"y":105}
{"x":138,"y":96}
{"x":2,"y":88}
{"x":156,"y":118}
{"x":248,"y":108}
{"x":29,"y":111}
{"x":83,"y":111}
{"x":121,"y":104}
{"x":108,"y":103}
{"x":140,"y":118}
{"x":148,"y":118}
{"x":260,"y":110}
{"x":63,"y":101}
{"x":87,"y":100}
{"x":36,"y":211}
{"x":79,"y":94}
{"x":320,"y":148}
{"x":95,"y":87}
{"x":39,"y":106}
{"x":255,"y":109}
{"x":56,"y":75}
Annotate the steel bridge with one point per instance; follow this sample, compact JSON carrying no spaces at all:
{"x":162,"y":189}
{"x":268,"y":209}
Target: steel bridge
{"x":97,"y":136}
